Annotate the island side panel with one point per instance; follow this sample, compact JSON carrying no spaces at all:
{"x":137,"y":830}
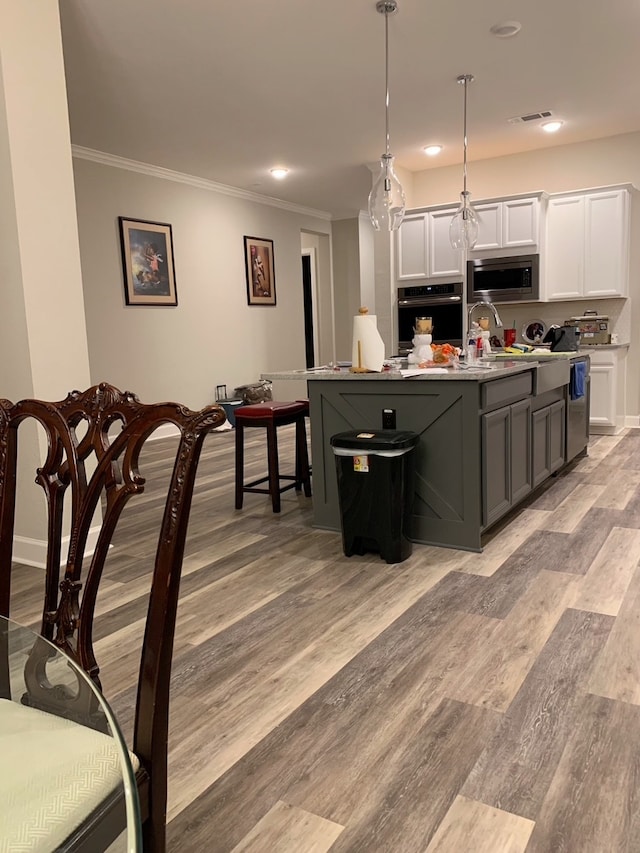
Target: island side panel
{"x":445,"y":414}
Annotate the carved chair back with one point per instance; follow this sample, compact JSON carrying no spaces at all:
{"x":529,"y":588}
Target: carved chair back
{"x":94,"y":440}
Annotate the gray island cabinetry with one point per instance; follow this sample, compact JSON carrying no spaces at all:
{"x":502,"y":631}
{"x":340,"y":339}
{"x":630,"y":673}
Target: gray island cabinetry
{"x":488,"y":437}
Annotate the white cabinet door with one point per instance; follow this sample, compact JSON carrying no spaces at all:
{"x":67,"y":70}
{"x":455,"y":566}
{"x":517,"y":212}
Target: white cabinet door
{"x":608,"y":389}
{"x":605,"y":244}
{"x":509,"y":224}
{"x":443,"y":259}
{"x":520,"y":222}
{"x":412,"y":247}
{"x":603,"y":395}
{"x":489,"y":226}
{"x":587,"y":245}
{"x":565,"y":248}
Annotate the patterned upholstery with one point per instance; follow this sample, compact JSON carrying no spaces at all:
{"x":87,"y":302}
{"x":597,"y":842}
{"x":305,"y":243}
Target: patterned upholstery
{"x":54,"y":774}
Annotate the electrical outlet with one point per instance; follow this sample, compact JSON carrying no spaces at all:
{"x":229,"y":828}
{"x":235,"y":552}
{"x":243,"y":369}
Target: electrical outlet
{"x":388,"y":419}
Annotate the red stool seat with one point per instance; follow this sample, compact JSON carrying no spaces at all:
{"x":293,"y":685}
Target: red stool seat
{"x":272,"y":414}
{"x":271,"y":409}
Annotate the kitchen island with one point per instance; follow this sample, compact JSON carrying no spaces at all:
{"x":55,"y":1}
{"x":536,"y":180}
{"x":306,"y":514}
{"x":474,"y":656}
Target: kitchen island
{"x":489,"y":435}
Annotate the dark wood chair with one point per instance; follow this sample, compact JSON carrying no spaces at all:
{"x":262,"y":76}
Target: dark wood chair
{"x":94,"y":441}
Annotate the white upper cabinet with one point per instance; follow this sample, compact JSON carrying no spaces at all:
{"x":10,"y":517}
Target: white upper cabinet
{"x":606,"y":266}
{"x":444,"y":260}
{"x":412,"y":247}
{"x":520,"y":219}
{"x":587,"y":245}
{"x":489,"y":226}
{"x":423,"y":247}
{"x":507,"y":224}
{"x":565,"y":248}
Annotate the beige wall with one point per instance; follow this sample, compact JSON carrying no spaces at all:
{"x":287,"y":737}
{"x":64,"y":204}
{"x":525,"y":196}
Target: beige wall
{"x":43,"y":345}
{"x":562,"y":168}
{"x":346,"y":276}
{"x":324,"y":310}
{"x":212,"y":337}
{"x":612,"y":160}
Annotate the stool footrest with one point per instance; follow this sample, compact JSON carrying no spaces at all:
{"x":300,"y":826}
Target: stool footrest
{"x":253,"y":483}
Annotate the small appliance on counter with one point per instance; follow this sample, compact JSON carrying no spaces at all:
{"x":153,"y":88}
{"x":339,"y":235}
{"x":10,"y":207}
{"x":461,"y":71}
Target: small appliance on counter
{"x":594,"y":328}
{"x":562,"y":338}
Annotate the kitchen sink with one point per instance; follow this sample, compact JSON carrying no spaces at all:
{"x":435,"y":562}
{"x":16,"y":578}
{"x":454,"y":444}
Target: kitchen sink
{"x":550,"y":375}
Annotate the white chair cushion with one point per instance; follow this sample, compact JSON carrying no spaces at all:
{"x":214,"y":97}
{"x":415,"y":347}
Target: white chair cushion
{"x":53,"y":774}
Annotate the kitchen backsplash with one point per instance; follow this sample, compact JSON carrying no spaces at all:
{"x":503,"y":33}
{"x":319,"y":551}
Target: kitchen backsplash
{"x":518,"y":315}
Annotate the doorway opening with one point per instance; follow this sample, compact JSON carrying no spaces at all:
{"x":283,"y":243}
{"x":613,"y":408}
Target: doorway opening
{"x":308,"y":288}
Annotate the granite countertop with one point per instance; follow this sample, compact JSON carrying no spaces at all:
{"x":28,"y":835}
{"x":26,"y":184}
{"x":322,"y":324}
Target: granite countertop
{"x":588,"y":347}
{"x":475,"y":373}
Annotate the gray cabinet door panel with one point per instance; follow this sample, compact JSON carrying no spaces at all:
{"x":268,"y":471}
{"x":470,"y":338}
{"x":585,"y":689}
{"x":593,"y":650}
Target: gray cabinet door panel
{"x":496,"y":464}
{"x":556,"y":435}
{"x":540,"y":445}
{"x":521,"y":480}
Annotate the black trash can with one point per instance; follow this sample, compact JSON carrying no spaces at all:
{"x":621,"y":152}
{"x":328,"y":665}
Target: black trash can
{"x":376,"y":483}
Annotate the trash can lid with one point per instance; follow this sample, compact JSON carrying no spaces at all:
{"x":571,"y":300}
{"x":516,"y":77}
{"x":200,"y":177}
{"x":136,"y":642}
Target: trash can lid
{"x":368,"y":441}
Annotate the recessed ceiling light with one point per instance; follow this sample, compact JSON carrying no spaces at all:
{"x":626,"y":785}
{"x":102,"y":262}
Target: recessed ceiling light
{"x":551,"y":126}
{"x":432,"y":150}
{"x":279,"y":172}
{"x":506,"y":29}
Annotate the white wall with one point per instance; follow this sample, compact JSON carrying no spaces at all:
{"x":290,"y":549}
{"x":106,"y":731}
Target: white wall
{"x":346,"y":276}
{"x":599,"y":162}
{"x":323,"y":306}
{"x":213,"y":336}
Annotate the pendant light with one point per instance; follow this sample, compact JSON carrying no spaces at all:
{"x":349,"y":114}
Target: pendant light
{"x":463,"y":231}
{"x":386,"y":199}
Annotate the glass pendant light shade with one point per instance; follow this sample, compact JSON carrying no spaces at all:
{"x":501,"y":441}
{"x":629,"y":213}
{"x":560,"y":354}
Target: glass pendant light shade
{"x":463,"y":231}
{"x":386,"y":199}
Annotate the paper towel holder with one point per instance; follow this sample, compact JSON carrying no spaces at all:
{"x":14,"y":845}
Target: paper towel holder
{"x":359,"y":368}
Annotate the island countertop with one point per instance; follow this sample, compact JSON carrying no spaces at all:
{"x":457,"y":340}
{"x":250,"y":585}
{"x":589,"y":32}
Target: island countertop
{"x":473,"y":373}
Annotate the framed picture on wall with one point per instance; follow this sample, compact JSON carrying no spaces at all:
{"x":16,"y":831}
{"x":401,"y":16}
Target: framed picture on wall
{"x":261,"y":280}
{"x":147,"y":261}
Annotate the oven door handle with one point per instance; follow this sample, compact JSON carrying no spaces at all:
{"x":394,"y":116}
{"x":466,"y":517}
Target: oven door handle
{"x":420,"y":302}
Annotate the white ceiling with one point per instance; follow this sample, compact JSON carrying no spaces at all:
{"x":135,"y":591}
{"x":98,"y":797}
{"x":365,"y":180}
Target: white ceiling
{"x":224,"y":90}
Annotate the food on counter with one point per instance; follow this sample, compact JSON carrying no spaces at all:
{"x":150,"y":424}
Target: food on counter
{"x":443,"y":355}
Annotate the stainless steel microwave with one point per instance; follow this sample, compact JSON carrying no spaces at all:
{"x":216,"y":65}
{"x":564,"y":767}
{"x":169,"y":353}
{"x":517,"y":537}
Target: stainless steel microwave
{"x":504,"y":279}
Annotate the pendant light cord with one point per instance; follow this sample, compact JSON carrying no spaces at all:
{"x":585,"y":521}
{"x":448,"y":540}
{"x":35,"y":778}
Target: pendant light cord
{"x":465,"y":79}
{"x":386,"y":8}
{"x":386,"y":75}
{"x":464,"y":131}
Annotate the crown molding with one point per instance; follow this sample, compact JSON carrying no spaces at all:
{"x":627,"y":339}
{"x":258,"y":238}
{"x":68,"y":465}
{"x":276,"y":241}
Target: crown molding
{"x":105,"y":159}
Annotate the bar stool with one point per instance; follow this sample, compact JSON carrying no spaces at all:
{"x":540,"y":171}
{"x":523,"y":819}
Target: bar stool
{"x":271,"y":415}
{"x":305,"y":402}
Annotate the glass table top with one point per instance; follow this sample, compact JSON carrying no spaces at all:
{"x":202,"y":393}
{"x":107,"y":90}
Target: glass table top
{"x":62,"y":753}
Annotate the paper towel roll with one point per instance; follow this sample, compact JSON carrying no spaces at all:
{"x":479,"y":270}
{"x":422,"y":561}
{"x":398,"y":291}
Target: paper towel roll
{"x":366,"y":332}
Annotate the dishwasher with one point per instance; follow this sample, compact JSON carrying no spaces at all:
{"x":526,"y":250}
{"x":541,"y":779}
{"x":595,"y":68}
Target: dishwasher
{"x":578,"y":410}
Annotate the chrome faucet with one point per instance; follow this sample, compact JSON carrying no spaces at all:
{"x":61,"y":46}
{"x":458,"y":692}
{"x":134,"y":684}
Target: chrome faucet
{"x":489,"y":305}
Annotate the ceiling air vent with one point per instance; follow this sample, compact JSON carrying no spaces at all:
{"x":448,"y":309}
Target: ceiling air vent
{"x":530,"y":117}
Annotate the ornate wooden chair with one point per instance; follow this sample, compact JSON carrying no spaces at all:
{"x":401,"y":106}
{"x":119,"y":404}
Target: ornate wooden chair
{"x":94,"y":441}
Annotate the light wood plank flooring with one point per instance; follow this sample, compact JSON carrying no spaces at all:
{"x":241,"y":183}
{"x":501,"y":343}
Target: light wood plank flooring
{"x":454,"y":702}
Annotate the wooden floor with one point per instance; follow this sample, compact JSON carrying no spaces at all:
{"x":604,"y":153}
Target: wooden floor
{"x":454,"y":702}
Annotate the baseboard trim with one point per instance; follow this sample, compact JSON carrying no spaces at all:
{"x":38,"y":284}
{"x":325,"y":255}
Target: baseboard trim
{"x":33,"y":552}
{"x":164,"y":431}
{"x":632,"y":421}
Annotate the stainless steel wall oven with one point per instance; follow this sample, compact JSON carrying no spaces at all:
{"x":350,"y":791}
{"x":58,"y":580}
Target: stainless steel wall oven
{"x":441,"y":302}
